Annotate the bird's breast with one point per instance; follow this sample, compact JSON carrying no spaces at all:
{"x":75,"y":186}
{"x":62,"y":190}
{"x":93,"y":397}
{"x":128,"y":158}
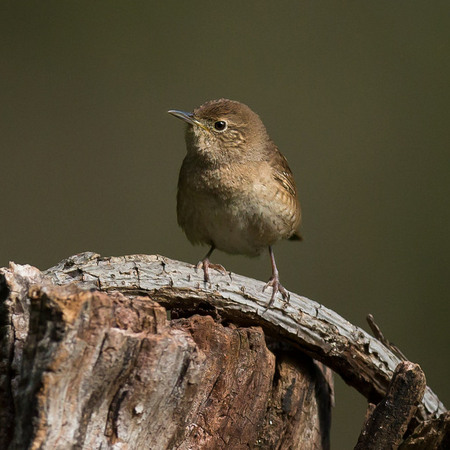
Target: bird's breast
{"x":237,"y":208}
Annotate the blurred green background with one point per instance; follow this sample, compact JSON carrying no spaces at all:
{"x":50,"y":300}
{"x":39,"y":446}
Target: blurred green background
{"x":355,"y":94}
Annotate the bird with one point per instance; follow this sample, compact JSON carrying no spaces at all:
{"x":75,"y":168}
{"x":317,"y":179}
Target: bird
{"x":236,"y":192}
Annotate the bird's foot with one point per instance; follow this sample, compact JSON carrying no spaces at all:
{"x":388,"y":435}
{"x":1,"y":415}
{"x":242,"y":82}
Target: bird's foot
{"x":205,"y":265}
{"x":274,"y":282}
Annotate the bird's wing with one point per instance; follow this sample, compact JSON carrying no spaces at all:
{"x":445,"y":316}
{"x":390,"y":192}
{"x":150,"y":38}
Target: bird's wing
{"x":282,"y":173}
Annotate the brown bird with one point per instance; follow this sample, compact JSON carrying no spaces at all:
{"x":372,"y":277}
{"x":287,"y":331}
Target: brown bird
{"x":236,"y":191}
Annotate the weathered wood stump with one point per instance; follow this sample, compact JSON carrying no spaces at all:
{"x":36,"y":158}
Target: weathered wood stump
{"x":136,"y":352}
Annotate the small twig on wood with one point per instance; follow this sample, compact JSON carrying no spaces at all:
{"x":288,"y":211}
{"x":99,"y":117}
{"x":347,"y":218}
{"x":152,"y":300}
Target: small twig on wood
{"x":386,"y":426}
{"x":380,"y":336}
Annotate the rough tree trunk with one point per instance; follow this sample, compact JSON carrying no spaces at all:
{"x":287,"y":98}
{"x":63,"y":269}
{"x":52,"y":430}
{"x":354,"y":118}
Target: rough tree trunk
{"x":136,"y":352}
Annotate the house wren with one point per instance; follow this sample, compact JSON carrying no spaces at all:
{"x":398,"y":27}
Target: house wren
{"x":236,"y":192}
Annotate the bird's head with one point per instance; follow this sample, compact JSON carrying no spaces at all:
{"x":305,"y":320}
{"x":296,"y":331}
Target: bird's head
{"x":224,"y":126}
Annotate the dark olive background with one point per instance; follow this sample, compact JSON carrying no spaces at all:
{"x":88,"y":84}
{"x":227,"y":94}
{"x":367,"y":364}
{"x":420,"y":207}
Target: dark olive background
{"x":356,"y":95}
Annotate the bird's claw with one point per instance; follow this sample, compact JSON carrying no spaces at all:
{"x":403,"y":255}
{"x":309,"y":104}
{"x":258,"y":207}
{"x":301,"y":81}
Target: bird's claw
{"x":205,"y":265}
{"x":274,"y":282}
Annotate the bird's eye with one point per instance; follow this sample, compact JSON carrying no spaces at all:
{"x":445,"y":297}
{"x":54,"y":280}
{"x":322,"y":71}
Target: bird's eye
{"x":220,"y":125}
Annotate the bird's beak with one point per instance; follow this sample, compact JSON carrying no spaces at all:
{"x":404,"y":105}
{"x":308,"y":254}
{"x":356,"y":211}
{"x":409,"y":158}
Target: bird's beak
{"x":187,"y":117}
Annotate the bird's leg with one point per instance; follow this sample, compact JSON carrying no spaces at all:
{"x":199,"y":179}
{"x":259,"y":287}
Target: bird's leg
{"x":275,"y":281}
{"x":205,"y":264}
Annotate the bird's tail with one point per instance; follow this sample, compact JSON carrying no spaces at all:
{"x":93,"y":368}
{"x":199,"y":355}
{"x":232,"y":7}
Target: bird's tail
{"x":295,"y":237}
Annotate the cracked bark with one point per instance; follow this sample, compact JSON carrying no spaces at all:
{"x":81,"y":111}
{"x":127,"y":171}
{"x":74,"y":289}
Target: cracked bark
{"x":386,"y":425}
{"x":90,"y":359}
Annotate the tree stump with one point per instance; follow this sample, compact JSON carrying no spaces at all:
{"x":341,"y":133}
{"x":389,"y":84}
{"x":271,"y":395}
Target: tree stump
{"x":137,"y":352}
